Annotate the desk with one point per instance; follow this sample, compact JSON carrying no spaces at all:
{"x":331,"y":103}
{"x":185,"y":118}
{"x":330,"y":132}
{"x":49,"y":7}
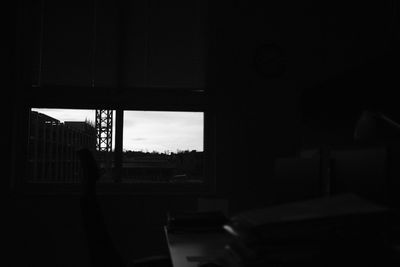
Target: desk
{"x":188,"y":249}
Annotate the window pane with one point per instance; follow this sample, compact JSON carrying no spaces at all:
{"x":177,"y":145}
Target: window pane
{"x":163,"y":147}
{"x":54,"y":137}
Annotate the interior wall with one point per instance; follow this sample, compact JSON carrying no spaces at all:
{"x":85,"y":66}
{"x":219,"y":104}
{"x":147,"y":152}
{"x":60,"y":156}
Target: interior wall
{"x":48,"y":231}
{"x":335,"y":60}
{"x":258,"y":120}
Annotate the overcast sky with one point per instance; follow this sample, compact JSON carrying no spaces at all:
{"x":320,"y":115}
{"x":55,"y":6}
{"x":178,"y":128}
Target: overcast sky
{"x":148,"y":130}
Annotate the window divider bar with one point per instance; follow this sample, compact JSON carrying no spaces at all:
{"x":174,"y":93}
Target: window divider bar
{"x":119,"y":123}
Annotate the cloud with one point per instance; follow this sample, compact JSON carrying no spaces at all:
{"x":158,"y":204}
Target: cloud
{"x":149,"y":130}
{"x":68,"y":114}
{"x":138,"y":139}
{"x":163,"y":131}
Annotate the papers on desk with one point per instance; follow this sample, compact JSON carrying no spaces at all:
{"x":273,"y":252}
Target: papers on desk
{"x":307,"y":232}
{"x":196,"y":221}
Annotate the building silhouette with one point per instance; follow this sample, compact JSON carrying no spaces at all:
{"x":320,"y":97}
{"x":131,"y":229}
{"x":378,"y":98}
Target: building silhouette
{"x":147,"y":169}
{"x":157,"y":167}
{"x":52,"y":148}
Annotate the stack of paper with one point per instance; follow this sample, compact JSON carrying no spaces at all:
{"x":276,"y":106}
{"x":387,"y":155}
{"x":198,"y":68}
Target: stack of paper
{"x":312,"y":231}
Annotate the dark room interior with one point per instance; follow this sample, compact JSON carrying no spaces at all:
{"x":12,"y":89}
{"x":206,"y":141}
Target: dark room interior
{"x":282,"y":86}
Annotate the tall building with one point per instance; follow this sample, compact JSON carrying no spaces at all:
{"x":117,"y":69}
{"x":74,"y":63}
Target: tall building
{"x":52,"y":148}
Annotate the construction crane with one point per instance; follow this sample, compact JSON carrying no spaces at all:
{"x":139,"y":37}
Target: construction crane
{"x":104,"y":131}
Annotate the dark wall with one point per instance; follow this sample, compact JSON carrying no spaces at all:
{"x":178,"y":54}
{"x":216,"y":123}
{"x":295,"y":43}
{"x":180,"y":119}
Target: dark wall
{"x":47,"y":230}
{"x":337,"y":62}
{"x":324,"y":52}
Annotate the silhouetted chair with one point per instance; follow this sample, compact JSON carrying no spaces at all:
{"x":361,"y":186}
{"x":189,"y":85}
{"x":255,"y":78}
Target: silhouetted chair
{"x":102,"y":251}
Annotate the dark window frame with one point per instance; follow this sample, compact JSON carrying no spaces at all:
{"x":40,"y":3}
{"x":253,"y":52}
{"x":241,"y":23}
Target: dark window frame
{"x":35,"y":90}
{"x":154,"y":99}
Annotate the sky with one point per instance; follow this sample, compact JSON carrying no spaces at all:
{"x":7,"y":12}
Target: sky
{"x":148,"y":131}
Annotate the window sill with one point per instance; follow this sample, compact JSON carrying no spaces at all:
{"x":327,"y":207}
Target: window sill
{"x":48,"y":189}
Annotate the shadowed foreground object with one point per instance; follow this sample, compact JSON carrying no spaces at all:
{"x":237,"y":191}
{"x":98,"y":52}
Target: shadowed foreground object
{"x":375,"y":127}
{"x":101,"y":248}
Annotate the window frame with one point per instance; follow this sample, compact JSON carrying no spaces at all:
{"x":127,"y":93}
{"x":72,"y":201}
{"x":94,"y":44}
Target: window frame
{"x":39,"y":91}
{"x":119,"y":99}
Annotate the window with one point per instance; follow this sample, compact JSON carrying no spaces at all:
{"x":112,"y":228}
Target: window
{"x":158,"y":146}
{"x":163,"y":147}
{"x":152,"y":150}
{"x":139,"y":62}
{"x":54,"y":136}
